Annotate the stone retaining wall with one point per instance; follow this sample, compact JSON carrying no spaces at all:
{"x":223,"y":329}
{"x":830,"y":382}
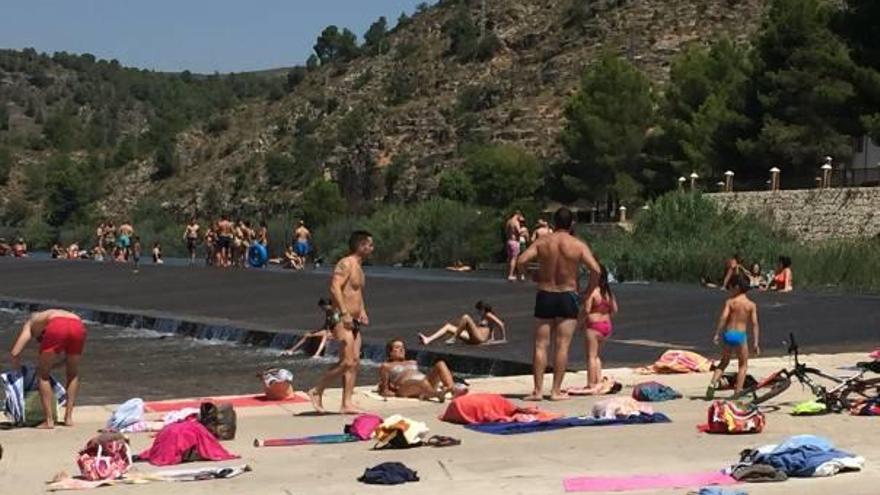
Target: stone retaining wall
{"x":812,"y":214}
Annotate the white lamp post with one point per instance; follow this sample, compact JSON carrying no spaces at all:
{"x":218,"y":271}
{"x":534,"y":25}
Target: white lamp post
{"x":774,"y":179}
{"x":728,"y":181}
{"x":826,"y":172}
{"x":694,"y":178}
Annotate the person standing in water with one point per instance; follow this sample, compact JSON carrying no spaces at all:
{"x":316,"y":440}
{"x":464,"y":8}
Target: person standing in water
{"x":191,"y":236}
{"x":556,"y":304}
{"x":57,"y":331}
{"x":301,"y":240}
{"x":512,"y":246}
{"x":347,"y":296}
{"x":738,"y":313}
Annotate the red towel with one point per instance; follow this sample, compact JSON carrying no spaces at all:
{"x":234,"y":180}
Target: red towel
{"x":176,"y":439}
{"x":491,"y":408}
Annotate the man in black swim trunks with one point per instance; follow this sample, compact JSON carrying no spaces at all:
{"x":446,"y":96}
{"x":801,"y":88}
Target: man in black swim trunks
{"x":556,"y":305}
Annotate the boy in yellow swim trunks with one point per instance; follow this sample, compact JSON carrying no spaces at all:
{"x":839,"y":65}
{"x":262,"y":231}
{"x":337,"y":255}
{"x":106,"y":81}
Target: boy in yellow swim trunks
{"x":737,"y":314}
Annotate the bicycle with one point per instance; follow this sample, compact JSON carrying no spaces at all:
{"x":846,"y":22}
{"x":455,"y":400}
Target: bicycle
{"x":843,"y":395}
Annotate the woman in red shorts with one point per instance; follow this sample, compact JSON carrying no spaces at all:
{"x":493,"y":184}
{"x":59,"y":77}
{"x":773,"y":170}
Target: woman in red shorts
{"x":57,"y":331}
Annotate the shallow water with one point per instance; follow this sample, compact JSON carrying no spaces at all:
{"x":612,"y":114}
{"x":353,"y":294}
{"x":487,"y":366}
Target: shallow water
{"x":121,"y":363}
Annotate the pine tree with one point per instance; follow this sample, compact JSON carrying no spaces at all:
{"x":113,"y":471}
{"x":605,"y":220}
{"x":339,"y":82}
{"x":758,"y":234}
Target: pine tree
{"x":607,"y":121}
{"x":704,"y":109}
{"x":376,"y":38}
{"x":806,"y":90}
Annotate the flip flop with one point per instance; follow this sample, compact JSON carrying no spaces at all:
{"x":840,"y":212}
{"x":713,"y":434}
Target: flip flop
{"x":442,"y":441}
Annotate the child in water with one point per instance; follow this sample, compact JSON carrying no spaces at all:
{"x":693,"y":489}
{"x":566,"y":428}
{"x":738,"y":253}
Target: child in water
{"x":737,"y":314}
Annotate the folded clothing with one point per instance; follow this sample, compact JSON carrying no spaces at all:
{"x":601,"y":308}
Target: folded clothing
{"x":127,"y":414}
{"x":654,"y":392}
{"x":188,"y":440}
{"x":491,"y":408}
{"x":758,"y":473}
{"x":388,"y":473}
{"x":558,"y":424}
{"x":804,"y":456}
{"x":620,"y":407}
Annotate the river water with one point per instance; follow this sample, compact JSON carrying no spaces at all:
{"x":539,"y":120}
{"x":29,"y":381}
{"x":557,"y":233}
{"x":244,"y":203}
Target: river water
{"x":121,"y":363}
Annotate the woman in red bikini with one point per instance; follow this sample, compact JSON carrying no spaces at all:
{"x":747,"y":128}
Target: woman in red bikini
{"x":781,"y":281}
{"x":599,"y":306}
{"x":57,"y":331}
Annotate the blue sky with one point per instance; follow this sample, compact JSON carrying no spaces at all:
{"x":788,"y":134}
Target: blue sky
{"x":199,"y":35}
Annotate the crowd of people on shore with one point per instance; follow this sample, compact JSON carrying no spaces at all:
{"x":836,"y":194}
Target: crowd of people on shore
{"x":225,"y":243}
{"x":562,"y":310}
{"x":778,"y":280}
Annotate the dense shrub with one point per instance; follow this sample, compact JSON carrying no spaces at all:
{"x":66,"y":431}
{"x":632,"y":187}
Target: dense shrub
{"x":685,"y":236}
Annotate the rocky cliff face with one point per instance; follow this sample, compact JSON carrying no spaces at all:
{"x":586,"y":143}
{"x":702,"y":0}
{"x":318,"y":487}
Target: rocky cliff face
{"x":387,"y":124}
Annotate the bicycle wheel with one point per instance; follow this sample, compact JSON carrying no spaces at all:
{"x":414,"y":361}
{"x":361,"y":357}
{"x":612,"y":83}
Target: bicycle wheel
{"x":863,"y":390}
{"x":772,"y":389}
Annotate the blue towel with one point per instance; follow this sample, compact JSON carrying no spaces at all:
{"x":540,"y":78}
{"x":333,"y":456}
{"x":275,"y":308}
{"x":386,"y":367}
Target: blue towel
{"x":558,"y":424}
{"x":714,"y":490}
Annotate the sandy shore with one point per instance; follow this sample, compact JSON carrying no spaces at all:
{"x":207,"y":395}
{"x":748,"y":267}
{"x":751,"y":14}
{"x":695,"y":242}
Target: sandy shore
{"x":483,"y":464}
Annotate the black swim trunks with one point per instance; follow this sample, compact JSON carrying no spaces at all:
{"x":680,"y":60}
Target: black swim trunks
{"x":551,"y":305}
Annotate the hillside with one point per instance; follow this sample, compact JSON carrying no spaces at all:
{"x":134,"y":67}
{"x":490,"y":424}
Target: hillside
{"x":380,"y":125}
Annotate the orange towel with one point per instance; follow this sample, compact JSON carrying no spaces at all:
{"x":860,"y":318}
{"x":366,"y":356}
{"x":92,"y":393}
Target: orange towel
{"x":491,"y":408}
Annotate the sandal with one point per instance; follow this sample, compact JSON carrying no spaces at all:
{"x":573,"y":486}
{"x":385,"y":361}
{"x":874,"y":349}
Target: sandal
{"x":442,"y":441}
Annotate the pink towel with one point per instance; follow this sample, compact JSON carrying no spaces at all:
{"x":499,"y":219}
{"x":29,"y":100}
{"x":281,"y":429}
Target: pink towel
{"x":176,"y":439}
{"x":645,"y":482}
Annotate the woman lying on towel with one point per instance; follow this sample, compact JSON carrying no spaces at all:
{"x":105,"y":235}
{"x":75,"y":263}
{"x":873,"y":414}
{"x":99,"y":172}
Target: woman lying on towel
{"x":469,"y":331}
{"x":401,"y":378}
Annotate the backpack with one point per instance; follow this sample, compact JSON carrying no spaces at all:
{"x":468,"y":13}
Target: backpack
{"x":733,"y":417}
{"x":219,"y":419}
{"x":105,"y":457}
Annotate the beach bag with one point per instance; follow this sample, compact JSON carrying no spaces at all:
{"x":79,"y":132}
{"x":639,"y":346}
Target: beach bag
{"x":105,"y":457}
{"x":364,"y":426}
{"x":733,"y":417}
{"x":33,"y":409}
{"x":219,"y":419}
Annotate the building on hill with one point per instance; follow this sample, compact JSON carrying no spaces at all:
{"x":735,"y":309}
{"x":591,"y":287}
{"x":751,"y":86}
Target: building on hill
{"x":864,"y":170}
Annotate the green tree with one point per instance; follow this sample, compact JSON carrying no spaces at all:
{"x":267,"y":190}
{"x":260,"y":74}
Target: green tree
{"x":502,"y":174}
{"x":402,"y":83}
{"x":806,"y":89}
{"x":322,"y":202}
{"x":703,"y":114}
{"x":313,"y":62}
{"x":333,"y":45}
{"x":857,"y":24}
{"x":353,"y":127}
{"x":62,"y":130}
{"x":376,"y":38}
{"x":463,"y":32}
{"x":296,"y":76}
{"x":606,"y":125}
{"x":67,"y":190}
{"x":4,"y":118}
{"x":166,"y":160}
{"x":456,"y":185}
{"x":5,"y":165}
{"x":279,"y":169}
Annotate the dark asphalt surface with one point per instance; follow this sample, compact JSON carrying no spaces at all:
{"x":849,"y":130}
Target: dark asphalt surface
{"x":401,"y":302}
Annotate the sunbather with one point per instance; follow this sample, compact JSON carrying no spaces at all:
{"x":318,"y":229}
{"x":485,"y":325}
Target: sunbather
{"x":325,"y":333}
{"x":401,"y":378}
{"x":471,"y":332}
